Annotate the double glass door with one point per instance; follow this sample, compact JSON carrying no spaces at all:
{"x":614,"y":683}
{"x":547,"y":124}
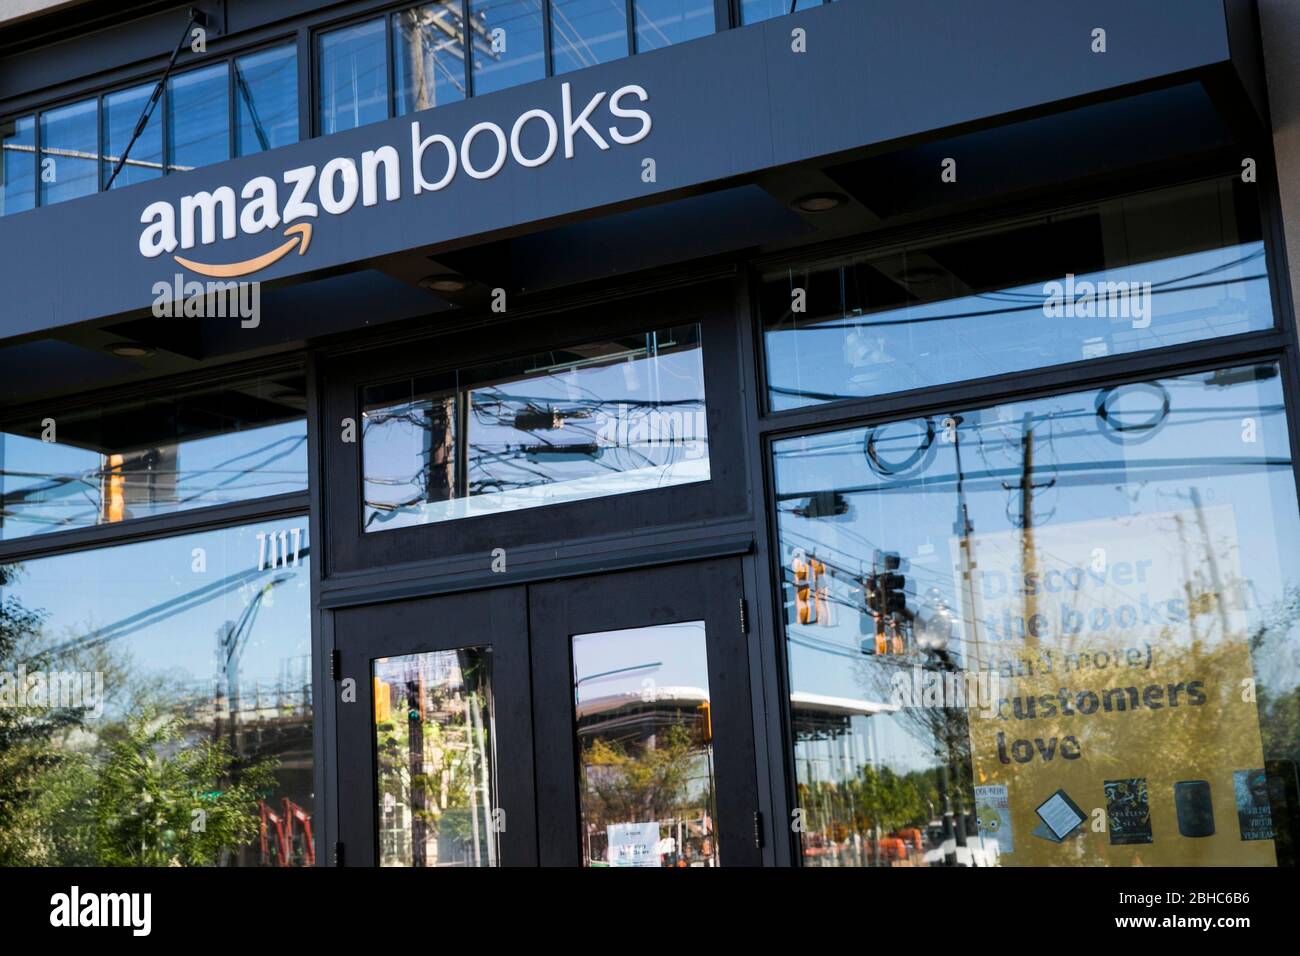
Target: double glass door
{"x":598,"y":721}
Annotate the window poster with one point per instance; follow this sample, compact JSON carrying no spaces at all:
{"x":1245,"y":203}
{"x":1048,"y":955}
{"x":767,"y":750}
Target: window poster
{"x":1119,"y":662}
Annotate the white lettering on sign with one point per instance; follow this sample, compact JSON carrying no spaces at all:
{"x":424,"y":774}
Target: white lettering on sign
{"x":204,"y":217}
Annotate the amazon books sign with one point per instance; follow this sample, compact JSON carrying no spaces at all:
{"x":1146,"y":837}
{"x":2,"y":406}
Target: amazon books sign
{"x":191,"y":230}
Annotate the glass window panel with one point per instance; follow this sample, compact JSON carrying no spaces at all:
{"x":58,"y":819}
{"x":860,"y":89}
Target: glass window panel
{"x":429,"y":49}
{"x":353,"y":77}
{"x":660,"y":23}
{"x":183,"y":675}
{"x":1065,"y":594}
{"x":645,"y":747}
{"x":69,"y":152}
{"x":266,"y":100}
{"x":435,"y":758}
{"x":587,"y":32}
{"x":170,"y":452}
{"x":198,"y":117}
{"x":122,"y":110}
{"x":17,"y":164}
{"x":1145,"y":271}
{"x":754,"y":11}
{"x":607,"y":417}
{"x":507,"y":43}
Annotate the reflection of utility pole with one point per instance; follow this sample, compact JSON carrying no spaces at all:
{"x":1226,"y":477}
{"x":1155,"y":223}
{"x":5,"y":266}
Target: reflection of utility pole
{"x":1213,"y":562}
{"x":1028,"y":552}
{"x":963,"y":529}
{"x":415,"y":760}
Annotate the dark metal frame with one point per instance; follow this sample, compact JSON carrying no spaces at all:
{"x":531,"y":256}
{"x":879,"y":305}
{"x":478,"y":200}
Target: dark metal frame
{"x":99,"y":93}
{"x":456,"y":547}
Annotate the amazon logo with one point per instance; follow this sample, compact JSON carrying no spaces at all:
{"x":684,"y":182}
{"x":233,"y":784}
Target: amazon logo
{"x":285,"y":208}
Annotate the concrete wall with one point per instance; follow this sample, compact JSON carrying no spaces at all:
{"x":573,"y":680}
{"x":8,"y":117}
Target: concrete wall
{"x":1280,"y":27}
{"x":11,"y":11}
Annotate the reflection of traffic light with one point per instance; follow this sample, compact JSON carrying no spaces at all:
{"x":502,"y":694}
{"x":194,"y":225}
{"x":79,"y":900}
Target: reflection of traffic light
{"x":706,"y":722}
{"x":383,"y":702}
{"x":886,"y":602}
{"x":811,"y":591}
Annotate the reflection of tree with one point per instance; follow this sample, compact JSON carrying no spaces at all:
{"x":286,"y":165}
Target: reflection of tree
{"x":164,"y":800}
{"x":433,"y":762}
{"x":74,"y":785}
{"x":28,"y":754}
{"x":875,"y":800}
{"x":641,"y":783}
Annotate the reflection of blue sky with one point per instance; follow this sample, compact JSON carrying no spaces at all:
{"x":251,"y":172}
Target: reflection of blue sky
{"x":84,"y":594}
{"x":522,"y":60}
{"x":266,"y":100}
{"x":353,"y":76}
{"x":669,"y":655}
{"x":198,"y":117}
{"x":69,"y":147}
{"x":1198,"y":296}
{"x":660,"y":23}
{"x":18,"y":167}
{"x":232,"y":466}
{"x":587,"y":32}
{"x":1199,"y":447}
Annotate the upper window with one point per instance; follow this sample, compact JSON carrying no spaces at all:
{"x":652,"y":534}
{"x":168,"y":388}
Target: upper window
{"x":69,"y":150}
{"x":352,"y":69}
{"x":1161,"y":268}
{"x":755,"y":11}
{"x":266,"y":100}
{"x":189,"y":128}
{"x":587,"y":32}
{"x":428,"y":50}
{"x":119,"y":115}
{"x":167,"y":453}
{"x":662,"y":23}
{"x":198,"y":117}
{"x":521,"y":58}
{"x":422,"y":50}
{"x":603,"y":418}
{"x":17,"y":165}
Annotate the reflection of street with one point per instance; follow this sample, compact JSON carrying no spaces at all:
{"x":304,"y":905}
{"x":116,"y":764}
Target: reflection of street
{"x":437,"y":778}
{"x":647,"y":779}
{"x":645,"y":747}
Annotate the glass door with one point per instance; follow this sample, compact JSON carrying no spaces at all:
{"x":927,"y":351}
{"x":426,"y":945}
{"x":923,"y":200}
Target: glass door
{"x":613,"y":710}
{"x":644,"y":730}
{"x":434,"y":732}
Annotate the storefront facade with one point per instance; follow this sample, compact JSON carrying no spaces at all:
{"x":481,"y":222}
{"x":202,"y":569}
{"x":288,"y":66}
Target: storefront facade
{"x":686,"y":434}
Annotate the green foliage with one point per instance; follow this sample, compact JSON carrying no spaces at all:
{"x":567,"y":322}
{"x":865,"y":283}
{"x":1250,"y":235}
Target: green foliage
{"x":646,"y":784}
{"x":28,"y":758}
{"x":163,"y":800}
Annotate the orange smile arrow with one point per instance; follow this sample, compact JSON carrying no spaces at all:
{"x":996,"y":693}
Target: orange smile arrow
{"x":299,"y":235}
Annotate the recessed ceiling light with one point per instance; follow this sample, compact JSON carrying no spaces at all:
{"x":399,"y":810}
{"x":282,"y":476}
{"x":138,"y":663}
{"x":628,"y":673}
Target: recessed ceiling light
{"x":444,"y":283}
{"x":130,"y":350}
{"x":820,"y":202}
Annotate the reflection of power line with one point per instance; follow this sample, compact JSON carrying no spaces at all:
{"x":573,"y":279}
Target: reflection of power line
{"x":167,"y":609}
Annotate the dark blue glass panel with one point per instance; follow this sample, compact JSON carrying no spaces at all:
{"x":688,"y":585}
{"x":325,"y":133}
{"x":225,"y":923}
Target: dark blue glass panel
{"x":266,"y":100}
